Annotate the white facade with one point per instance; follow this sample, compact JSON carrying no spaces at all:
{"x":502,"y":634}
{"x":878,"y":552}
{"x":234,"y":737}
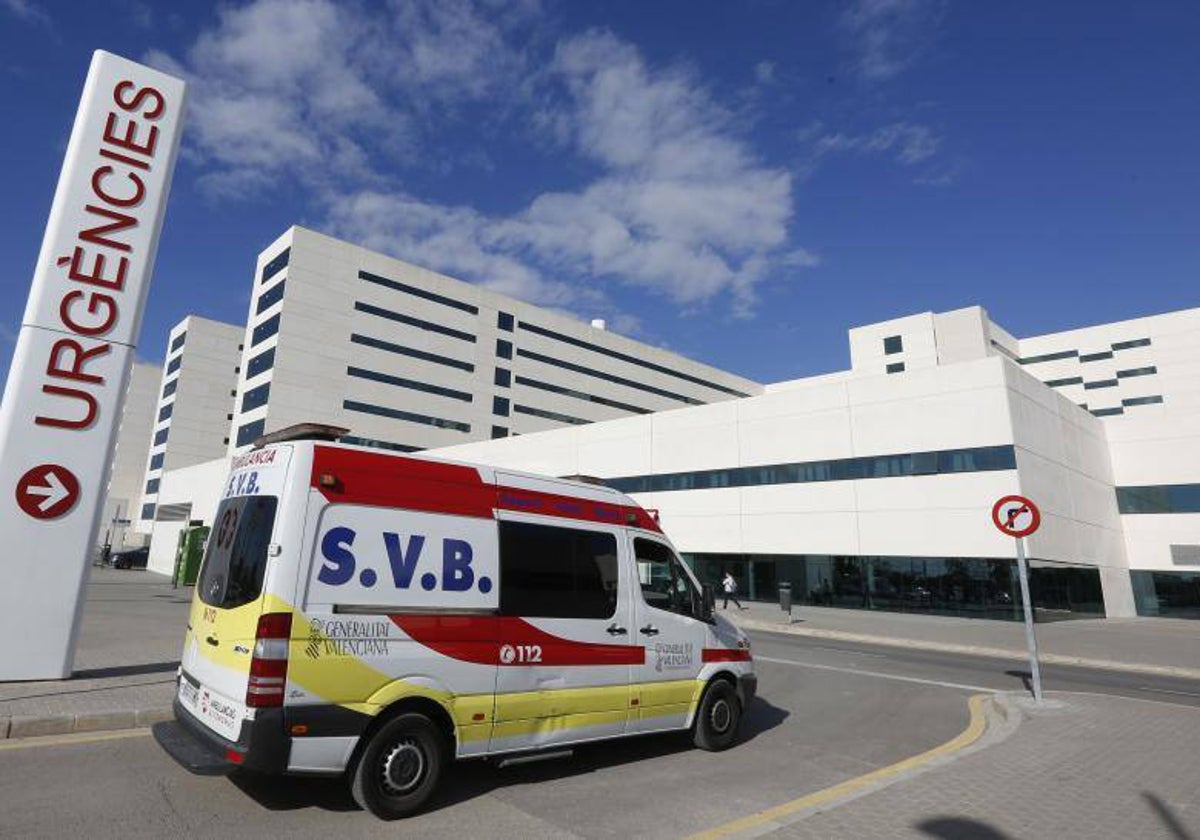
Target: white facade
{"x":194,"y":405}
{"x":410,"y":359}
{"x":126,"y":479}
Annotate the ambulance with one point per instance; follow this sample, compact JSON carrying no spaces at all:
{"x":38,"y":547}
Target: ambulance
{"x":379,"y":615}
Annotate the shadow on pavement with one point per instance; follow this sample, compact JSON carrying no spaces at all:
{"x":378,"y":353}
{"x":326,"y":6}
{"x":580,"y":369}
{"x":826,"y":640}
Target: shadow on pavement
{"x":1164,"y":813}
{"x":467,"y":780}
{"x":960,"y":828}
{"x":125,"y":670}
{"x":1026,"y":679}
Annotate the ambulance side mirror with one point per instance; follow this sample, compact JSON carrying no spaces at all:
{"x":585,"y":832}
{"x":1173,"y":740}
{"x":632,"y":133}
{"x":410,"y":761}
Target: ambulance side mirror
{"x":709,"y":603}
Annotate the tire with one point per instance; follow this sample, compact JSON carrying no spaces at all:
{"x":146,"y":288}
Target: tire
{"x":400,"y":767}
{"x":718,"y":718}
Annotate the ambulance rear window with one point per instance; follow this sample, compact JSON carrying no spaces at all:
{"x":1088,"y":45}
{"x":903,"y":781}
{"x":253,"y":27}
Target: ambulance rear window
{"x":236,"y":558}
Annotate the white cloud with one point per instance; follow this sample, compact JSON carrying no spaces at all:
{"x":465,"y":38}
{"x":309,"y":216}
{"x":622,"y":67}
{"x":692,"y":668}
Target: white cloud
{"x":911,"y":143}
{"x":26,"y":11}
{"x":888,"y":35}
{"x":764,"y":72}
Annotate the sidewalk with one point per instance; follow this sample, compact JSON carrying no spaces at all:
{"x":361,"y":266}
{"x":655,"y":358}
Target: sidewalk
{"x":1165,"y":646}
{"x":129,"y":646}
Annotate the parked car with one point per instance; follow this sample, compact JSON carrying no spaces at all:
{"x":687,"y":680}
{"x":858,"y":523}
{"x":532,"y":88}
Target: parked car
{"x":133,"y":558}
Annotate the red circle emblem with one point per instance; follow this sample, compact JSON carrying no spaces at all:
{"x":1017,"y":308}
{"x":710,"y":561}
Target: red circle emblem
{"x":47,"y":491}
{"x":1016,"y":516}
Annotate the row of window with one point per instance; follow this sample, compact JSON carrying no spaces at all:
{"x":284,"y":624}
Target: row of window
{"x":411,"y":384}
{"x":1087,"y":357}
{"x":979,"y":459}
{"x":1103,"y":383}
{"x":1159,"y":498}
{"x":397,"y":286}
{"x":550,"y":415}
{"x":633,"y":360}
{"x":608,"y":377}
{"x":419,"y":323}
{"x":1153,"y":399}
{"x":373,"y":443}
{"x":411,"y":352}
{"x":579,"y":395}
{"x":411,"y":417}
{"x":275,"y":266}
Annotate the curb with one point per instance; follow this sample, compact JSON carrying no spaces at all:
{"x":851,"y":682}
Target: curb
{"x":32,"y":726}
{"x":970,"y":650}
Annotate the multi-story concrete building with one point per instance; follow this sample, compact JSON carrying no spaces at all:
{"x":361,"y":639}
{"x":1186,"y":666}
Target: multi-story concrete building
{"x":126,"y":478}
{"x":194,"y":407}
{"x":873,"y":487}
{"x":410,"y":359}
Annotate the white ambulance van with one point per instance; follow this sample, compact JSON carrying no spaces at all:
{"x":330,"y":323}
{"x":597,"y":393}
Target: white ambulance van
{"x":381,"y":615}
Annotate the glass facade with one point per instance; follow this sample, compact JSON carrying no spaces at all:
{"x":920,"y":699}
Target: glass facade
{"x":1160,"y":498}
{"x":1169,"y":594}
{"x":972,"y":587}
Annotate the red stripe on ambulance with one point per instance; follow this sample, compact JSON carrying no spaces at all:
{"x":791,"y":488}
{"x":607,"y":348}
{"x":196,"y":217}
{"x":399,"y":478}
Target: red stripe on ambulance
{"x":509,"y":641}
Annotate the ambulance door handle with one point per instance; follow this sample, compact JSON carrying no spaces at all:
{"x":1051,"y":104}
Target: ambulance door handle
{"x":649,"y":630}
{"x":616,"y":630}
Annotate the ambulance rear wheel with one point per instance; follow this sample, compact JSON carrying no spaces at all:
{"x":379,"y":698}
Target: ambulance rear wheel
{"x":717,"y":718}
{"x":400,"y":767}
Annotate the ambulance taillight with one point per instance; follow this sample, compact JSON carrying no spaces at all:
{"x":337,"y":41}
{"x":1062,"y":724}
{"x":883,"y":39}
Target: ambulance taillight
{"x":268,"y":667}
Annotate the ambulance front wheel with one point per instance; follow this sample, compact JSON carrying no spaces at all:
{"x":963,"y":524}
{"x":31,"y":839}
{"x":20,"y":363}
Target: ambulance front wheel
{"x":400,"y":767}
{"x":718,"y":717}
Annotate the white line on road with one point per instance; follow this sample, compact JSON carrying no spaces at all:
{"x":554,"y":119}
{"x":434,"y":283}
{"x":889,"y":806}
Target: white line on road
{"x":878,"y":675}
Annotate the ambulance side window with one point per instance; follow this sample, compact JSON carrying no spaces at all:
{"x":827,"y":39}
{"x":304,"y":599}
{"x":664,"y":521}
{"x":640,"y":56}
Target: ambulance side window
{"x":549,"y":572}
{"x":665,"y":585}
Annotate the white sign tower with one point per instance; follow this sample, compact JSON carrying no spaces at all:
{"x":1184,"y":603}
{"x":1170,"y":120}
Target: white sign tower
{"x":71,"y":365}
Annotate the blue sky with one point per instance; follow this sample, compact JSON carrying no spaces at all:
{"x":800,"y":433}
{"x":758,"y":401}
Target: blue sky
{"x":739,"y":182}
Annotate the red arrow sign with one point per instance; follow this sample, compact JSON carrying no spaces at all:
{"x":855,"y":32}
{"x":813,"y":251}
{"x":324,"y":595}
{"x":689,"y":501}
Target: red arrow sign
{"x":47,"y":491}
{"x":1016,"y":516}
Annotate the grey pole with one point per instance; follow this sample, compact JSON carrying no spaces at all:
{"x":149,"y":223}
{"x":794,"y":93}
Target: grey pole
{"x":1030,"y":639}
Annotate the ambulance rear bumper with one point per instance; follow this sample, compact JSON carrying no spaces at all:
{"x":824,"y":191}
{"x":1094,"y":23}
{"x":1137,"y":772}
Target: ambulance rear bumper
{"x":261,"y":745}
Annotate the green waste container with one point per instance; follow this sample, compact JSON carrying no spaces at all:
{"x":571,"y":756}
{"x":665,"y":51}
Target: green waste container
{"x":188,"y":554}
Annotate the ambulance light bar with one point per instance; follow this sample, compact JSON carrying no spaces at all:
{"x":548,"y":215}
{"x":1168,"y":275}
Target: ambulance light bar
{"x":300,"y":431}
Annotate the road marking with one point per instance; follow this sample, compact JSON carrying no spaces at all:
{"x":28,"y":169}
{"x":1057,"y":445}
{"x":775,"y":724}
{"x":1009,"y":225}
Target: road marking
{"x":1169,"y":691}
{"x":879,"y":675}
{"x":849,"y":651}
{"x":72,"y":738}
{"x":975,"y":729}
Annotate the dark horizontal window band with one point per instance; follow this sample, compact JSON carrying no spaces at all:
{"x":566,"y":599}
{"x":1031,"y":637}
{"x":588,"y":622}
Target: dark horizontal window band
{"x":1151,"y":400}
{"x":945,"y":462}
{"x":401,"y":350}
{"x":1107,"y":412}
{"x":413,"y":322}
{"x":550,"y":415}
{"x":1070,"y":380}
{"x":276,"y":265}
{"x":633,"y":360}
{"x":1095,"y":357}
{"x":372,"y":443}
{"x":1127,"y":345}
{"x":411,"y":384}
{"x":1102,"y":383}
{"x":397,"y":286}
{"x":608,"y":377}
{"x":1159,"y":498}
{"x":408,"y":416}
{"x":1049,"y":357}
{"x":579,"y":395}
{"x":1142,"y":371}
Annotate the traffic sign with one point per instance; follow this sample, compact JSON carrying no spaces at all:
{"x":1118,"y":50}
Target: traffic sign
{"x":1016,"y":516}
{"x":47,"y":491}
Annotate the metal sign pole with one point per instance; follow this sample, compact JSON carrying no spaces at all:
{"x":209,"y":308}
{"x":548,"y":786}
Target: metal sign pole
{"x":1026,"y":603}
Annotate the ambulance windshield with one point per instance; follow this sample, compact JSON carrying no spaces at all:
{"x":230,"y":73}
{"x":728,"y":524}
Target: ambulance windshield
{"x":236,"y":558}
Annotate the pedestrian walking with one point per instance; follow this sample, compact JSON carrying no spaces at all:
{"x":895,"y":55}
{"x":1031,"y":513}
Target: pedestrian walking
{"x":729,"y":586}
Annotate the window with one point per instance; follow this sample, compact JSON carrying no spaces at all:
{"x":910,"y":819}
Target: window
{"x":499,"y":432}
{"x":170,"y":387}
{"x":372,"y":443}
{"x":1126,"y":345}
{"x":548,"y":415}
{"x":503,"y":349}
{"x":397,"y":414}
{"x":503,"y":377}
{"x":378,"y":344}
{"x":1070,"y":380}
{"x":504,"y":321}
{"x":161,"y":435}
{"x":420,"y":324}
{"x":412,"y":384}
{"x":549,"y":572}
{"x":256,"y":397}
{"x":178,"y":341}
{"x":1152,"y":400}
{"x":165,"y":411}
{"x":395,"y":285}
{"x":607,"y":377}
{"x":1049,"y":357}
{"x":235,"y":559}
{"x":1107,"y":412}
{"x":1161,"y":498}
{"x":580,"y":395}
{"x":896,"y":367}
{"x":275,"y":266}
{"x":633,"y":360}
{"x":156,"y":461}
{"x":1101,"y":383}
{"x":270,"y":297}
{"x":174,"y":364}
{"x":265,"y":330}
{"x":500,"y":406}
{"x":148,"y":511}
{"x":250,"y":431}
{"x":1142,"y":371}
{"x":665,"y":585}
{"x":152,"y":486}
{"x":893,"y":344}
{"x":1095,"y":357}
{"x":264,"y":361}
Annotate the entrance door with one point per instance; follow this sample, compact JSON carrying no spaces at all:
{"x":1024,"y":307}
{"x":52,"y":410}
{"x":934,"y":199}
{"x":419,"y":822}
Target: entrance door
{"x":666,"y":685}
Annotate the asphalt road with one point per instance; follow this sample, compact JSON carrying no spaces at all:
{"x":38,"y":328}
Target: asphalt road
{"x":826,"y":713}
